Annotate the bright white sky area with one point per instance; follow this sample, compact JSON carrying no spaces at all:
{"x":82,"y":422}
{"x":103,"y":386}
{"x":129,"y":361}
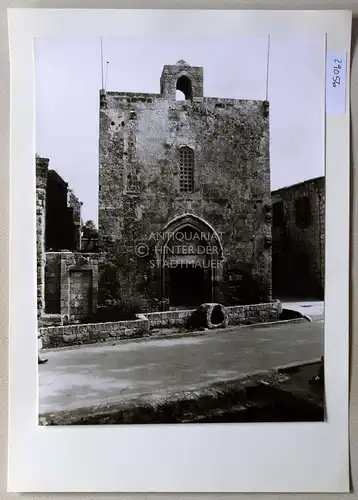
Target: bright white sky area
{"x":68,"y":80}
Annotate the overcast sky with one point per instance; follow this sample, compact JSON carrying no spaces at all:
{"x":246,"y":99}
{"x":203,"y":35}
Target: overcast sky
{"x":68,"y":79}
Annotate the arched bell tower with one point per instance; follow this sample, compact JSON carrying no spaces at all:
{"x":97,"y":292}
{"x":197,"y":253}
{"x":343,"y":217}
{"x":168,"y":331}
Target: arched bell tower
{"x":181,"y":76}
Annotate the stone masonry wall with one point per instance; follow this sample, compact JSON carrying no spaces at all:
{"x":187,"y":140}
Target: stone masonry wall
{"x":255,"y":313}
{"x":169,"y":79}
{"x":140,"y":137}
{"x":60,"y":336}
{"x":41,"y":181}
{"x":237,"y":315}
{"x":55,"y":336}
{"x":53,"y":283}
{"x":80,"y":294}
{"x":75,"y":206}
{"x":63,"y":215}
{"x":71,"y":285}
{"x":298,"y":249}
{"x":67,"y":283}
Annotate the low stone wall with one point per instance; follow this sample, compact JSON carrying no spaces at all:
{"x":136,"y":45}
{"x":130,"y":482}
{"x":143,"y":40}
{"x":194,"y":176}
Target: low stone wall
{"x":59,"y":336}
{"x":169,"y":318}
{"x":254,"y":313}
{"x":237,"y":315}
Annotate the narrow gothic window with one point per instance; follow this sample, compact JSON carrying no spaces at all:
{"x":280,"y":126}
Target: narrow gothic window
{"x":132,"y":182}
{"x":186,"y":171}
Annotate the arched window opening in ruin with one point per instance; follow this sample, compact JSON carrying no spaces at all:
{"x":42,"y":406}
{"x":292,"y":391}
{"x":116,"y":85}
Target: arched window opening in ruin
{"x":184,"y":86}
{"x":186,"y":170}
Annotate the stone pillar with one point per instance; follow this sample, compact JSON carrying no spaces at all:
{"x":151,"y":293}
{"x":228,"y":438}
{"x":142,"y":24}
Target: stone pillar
{"x":41,"y":182}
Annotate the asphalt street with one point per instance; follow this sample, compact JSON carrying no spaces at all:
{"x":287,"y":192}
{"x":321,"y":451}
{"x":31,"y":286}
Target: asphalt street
{"x":102,"y":374}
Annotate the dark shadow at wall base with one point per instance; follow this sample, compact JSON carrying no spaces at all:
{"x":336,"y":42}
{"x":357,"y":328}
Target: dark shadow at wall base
{"x":261,"y":405}
{"x":290,"y":297}
{"x":288,"y":314}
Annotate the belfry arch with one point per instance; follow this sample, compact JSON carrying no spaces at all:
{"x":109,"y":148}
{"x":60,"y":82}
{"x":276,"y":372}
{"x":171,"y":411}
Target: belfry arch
{"x":185,"y":86}
{"x":191,"y":255}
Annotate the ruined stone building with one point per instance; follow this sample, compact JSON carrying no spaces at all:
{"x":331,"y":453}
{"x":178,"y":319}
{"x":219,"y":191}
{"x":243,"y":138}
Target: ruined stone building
{"x":63,"y":215}
{"x":198,"y":167}
{"x":89,"y":239}
{"x":298,"y":236}
{"x":66,"y":278}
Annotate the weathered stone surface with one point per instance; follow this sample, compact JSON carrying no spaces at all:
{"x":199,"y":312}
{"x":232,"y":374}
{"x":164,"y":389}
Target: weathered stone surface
{"x":71,"y":288}
{"x":63,"y":215}
{"x":255,"y":313}
{"x":92,"y":332}
{"x":75,"y":207}
{"x":41,"y":181}
{"x":67,"y":283}
{"x":141,"y":136}
{"x":299,"y":239}
{"x":209,"y":316}
{"x":69,"y":338}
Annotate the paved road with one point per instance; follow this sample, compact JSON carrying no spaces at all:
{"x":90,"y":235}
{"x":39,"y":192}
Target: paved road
{"x":313,"y":309}
{"x":103,"y":374}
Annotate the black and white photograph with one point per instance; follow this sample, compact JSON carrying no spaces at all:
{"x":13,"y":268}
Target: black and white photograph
{"x":180,"y":229}
{"x":179,"y":267}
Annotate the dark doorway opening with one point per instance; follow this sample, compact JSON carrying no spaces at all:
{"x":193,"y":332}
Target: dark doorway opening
{"x":189,"y":285}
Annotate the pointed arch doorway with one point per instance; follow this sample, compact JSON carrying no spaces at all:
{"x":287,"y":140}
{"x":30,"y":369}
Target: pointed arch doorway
{"x":191,"y":255}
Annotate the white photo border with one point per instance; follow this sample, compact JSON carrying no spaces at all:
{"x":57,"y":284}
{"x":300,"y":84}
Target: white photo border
{"x":284,"y":457}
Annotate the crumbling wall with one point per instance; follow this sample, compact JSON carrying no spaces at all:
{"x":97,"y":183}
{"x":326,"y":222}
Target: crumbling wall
{"x":67,"y":282}
{"x":53,"y":283}
{"x":75,"y":207}
{"x":71,"y":285}
{"x":63,"y":215}
{"x":299,"y":240}
{"x":41,"y":181}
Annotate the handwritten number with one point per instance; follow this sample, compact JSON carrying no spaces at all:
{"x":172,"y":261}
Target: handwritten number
{"x":336,"y":68}
{"x":336,"y":78}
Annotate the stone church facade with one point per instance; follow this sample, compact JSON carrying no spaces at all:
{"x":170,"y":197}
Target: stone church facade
{"x":184,"y":191}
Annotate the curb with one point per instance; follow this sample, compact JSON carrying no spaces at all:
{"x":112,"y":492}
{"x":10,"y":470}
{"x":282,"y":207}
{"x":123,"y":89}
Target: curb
{"x":297,"y":364}
{"x":126,"y":341}
{"x":307,"y":317}
{"x":278,"y":322}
